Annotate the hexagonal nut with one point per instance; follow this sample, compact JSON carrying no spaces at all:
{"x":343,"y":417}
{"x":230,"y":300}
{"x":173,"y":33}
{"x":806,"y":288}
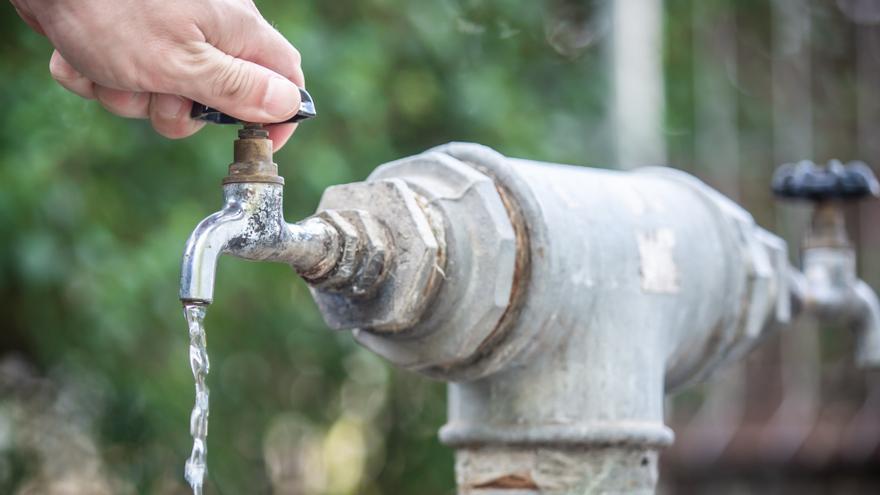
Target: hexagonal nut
{"x":479,"y":279}
{"x":375,"y":255}
{"x":758,"y":299}
{"x":349,"y":239}
{"x":400,"y":301}
{"x":366,"y":256}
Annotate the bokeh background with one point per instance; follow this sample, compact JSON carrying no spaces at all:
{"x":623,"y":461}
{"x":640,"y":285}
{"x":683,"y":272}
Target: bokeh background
{"x":95,"y":387}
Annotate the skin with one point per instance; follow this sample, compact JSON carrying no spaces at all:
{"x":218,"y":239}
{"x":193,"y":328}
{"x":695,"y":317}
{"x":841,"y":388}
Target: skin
{"x":150,"y":59}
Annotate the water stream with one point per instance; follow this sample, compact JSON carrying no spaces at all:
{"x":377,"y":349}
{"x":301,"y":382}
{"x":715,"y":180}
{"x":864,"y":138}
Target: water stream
{"x":196,"y":465}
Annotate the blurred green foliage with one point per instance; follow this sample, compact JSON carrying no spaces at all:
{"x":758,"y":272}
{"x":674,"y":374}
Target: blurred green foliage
{"x":94,"y":211}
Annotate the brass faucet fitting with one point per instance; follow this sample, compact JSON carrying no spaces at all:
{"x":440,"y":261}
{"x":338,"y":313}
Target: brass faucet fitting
{"x":253,"y":157}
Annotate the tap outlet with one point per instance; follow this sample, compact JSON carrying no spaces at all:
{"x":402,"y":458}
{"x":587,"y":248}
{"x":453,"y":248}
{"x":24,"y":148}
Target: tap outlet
{"x":344,"y":251}
{"x":828,"y":287}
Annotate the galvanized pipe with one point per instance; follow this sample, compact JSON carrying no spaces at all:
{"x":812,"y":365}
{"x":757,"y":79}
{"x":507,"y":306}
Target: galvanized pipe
{"x":607,"y":290}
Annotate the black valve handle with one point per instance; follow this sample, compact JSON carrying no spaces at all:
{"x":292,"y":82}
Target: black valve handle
{"x":835,"y":181}
{"x":208,"y":114}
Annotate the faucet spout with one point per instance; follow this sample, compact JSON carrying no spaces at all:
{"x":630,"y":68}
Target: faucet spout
{"x":344,"y":250}
{"x":203,"y":249}
{"x":251,"y":226}
{"x":829,"y":290}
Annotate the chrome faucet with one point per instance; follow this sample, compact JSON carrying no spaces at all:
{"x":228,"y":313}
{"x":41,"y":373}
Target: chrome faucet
{"x":323,"y":249}
{"x":251,"y":224}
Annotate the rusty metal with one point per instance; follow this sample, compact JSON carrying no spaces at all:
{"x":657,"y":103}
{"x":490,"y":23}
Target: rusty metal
{"x":540,"y":470}
{"x":252,"y":154}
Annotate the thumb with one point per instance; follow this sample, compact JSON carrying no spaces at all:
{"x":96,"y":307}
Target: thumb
{"x":245,"y":90}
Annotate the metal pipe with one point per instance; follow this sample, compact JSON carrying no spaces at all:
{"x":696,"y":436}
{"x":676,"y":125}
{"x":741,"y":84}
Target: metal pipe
{"x":571,"y":300}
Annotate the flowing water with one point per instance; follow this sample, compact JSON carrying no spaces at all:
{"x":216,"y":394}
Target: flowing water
{"x":197,"y":465}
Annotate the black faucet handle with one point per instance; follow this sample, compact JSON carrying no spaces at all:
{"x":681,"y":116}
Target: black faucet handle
{"x":834,"y":181}
{"x":206,"y":113}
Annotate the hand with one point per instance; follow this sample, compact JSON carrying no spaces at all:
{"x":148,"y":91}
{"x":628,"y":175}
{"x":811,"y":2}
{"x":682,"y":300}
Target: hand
{"x":152,"y":58}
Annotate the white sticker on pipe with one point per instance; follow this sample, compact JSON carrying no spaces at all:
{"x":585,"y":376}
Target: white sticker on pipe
{"x":657,"y":268}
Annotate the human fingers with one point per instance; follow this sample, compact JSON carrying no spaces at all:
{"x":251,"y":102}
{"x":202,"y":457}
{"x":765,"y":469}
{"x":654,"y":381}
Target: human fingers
{"x":169,"y":115}
{"x":243,"y":89}
{"x":280,"y":133}
{"x":130,"y":104}
{"x":69,"y":78}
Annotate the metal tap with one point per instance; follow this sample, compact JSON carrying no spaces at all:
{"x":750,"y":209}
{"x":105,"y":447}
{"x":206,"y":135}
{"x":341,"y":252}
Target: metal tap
{"x":828,"y":288}
{"x":251,"y":224}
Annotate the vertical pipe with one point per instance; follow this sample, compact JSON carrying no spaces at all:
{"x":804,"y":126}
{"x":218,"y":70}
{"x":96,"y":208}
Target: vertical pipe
{"x":637,"y":67}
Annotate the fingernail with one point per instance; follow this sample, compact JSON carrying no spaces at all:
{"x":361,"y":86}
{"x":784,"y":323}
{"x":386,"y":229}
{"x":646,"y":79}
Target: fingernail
{"x":60,"y":68}
{"x":169,"y":106}
{"x":282,"y":98}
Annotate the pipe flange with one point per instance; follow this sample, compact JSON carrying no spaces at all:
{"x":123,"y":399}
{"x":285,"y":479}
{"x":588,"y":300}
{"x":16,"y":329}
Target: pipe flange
{"x":466,"y":318}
